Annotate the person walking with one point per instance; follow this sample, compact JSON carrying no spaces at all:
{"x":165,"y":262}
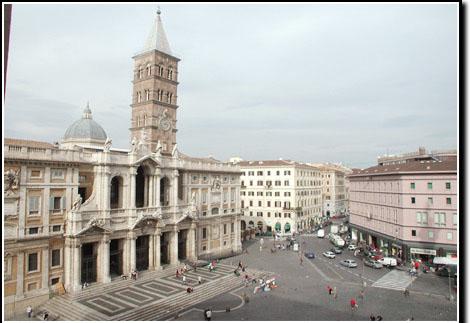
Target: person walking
{"x":406,"y":292}
{"x":335,"y":293}
{"x":361,"y":295}
{"x":372,"y":317}
{"x":199,"y":280}
{"x":301,"y":260}
{"x":330,"y":290}
{"x":184,"y":280}
{"x":29,"y":311}
{"x":353,"y":303}
{"x":379,"y":318}
{"x":46,"y":316}
{"x":208,"y":314}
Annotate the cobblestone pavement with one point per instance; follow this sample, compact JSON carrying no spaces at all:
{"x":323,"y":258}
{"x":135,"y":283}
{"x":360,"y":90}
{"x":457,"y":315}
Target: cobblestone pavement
{"x":302,"y":293}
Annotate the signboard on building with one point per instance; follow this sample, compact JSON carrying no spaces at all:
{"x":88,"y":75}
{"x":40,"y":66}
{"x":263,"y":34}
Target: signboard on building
{"x":423,"y":251}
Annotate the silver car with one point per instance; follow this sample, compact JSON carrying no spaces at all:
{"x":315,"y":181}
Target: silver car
{"x":348,"y":263}
{"x":373,"y":263}
{"x":329,"y":254}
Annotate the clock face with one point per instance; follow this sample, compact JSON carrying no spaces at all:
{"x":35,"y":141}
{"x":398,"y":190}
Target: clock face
{"x":165,"y":124}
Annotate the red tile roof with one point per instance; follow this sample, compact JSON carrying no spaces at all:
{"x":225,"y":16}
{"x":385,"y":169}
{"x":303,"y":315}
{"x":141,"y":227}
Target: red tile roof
{"x":27,"y":143}
{"x":409,"y":167}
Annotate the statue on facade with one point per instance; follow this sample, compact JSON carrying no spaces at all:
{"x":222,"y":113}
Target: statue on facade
{"x":158,"y":150}
{"x":11,"y":180}
{"x":175,"y":153}
{"x":134,"y":145}
{"x":77,"y":203}
{"x":107,"y":144}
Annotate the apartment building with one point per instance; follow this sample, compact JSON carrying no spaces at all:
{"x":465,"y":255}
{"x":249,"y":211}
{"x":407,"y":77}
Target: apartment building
{"x":280,"y":195}
{"x":407,"y":209}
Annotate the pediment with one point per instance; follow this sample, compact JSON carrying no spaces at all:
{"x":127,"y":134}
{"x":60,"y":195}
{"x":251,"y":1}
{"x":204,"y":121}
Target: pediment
{"x":147,"y":158}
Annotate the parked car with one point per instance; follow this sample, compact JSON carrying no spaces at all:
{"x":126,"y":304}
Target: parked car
{"x":444,"y":271}
{"x":352,"y":247}
{"x":373,"y":263}
{"x":336,"y":250}
{"x":320,"y":233}
{"x":310,"y":255}
{"x":348,"y":263}
{"x":329,"y":254}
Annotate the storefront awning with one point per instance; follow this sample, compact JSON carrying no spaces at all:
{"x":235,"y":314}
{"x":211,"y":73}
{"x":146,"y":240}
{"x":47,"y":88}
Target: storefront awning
{"x":445,"y":261}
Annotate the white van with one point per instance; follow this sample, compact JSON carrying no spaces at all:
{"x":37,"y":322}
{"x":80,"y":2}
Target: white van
{"x":321,"y":233}
{"x":388,"y":261}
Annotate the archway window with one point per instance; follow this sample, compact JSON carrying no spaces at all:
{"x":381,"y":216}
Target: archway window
{"x":139,"y":97}
{"x":141,"y":72}
{"x":170,"y":99}
{"x":148,"y":70}
{"x":260,"y":225}
{"x":287,"y":228}
{"x":141,"y":188}
{"x":215,"y":211}
{"x":164,"y":191}
{"x":116,"y":193}
{"x":243,"y":225}
{"x":277,"y":227}
{"x":251,"y":224}
{"x":147,"y":95}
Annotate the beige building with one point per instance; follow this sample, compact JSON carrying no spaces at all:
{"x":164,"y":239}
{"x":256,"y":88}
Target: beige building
{"x":83,"y":211}
{"x":280,"y":195}
{"x":334,"y":188}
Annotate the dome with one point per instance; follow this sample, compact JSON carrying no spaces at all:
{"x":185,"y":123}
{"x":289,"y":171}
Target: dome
{"x":85,"y":128}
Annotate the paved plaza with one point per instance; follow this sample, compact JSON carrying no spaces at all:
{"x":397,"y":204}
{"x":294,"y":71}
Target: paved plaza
{"x":302,"y":292}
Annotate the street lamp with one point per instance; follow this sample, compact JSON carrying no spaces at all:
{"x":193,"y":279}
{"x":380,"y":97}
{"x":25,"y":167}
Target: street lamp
{"x":451,"y":297}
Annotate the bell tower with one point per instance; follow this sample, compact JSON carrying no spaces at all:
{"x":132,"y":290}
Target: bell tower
{"x":154,"y":93}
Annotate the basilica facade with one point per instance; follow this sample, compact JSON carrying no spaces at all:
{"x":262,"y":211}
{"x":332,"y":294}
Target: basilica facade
{"x":81,"y":210}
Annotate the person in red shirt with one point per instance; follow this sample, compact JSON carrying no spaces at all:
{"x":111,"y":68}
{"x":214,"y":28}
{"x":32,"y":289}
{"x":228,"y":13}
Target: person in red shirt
{"x":416,"y":265}
{"x":353,"y":304}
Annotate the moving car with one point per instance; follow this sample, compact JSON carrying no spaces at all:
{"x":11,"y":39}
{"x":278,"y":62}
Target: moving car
{"x":348,"y":263}
{"x":373,"y":263}
{"x":388,"y":261}
{"x":336,"y":250}
{"x":329,"y":254}
{"x":352,"y":247}
{"x":310,"y":255}
{"x":320,"y":233}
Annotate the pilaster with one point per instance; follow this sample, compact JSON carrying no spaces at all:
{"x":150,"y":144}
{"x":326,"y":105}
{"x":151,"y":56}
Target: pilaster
{"x":20,"y":274}
{"x":174,"y":247}
{"x":104,"y":259}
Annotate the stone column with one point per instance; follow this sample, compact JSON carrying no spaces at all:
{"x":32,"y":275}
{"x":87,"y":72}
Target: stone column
{"x":174,"y":198}
{"x":131,"y":255}
{"x":19,"y":274}
{"x":77,"y":265}
{"x":106,"y":185}
{"x":151,"y":191}
{"x":192,"y":255}
{"x":104,"y":259}
{"x":174,"y":247}
{"x":151,"y":252}
{"x":132,"y":174}
{"x":157,"y":187}
{"x":45,"y":268}
{"x":157,"y":259}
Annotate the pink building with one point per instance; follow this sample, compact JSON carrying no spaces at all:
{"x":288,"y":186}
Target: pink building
{"x":408,"y":210}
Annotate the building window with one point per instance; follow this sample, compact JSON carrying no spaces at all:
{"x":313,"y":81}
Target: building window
{"x":430,"y":200}
{"x":455,"y":219}
{"x":35,"y":174}
{"x":55,"y":258}
{"x":286,"y":183}
{"x":57,"y":173}
{"x":430,"y":234}
{"x":448,"y":185}
{"x":55,"y":281}
{"x":260,"y":183}
{"x":413,"y":200}
{"x":269,"y":172}
{"x":412,"y":186}
{"x":430,"y":186}
{"x":269,"y":214}
{"x":56,"y":228}
{"x":33,"y":204}
{"x":225,"y":228}
{"x":440,"y":219}
{"x":449,"y":201}
{"x":33,"y":230}
{"x":32,"y":262}
{"x":204,"y":248}
{"x":232,"y":227}
{"x":204,"y":233}
{"x":422,"y":218}
{"x":449,"y":235}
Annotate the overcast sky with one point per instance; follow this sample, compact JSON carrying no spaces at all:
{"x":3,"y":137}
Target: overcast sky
{"x":309,"y":82}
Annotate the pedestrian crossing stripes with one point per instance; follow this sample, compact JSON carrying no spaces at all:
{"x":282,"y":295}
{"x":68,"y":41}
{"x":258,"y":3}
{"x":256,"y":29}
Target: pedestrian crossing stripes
{"x":395,"y":279}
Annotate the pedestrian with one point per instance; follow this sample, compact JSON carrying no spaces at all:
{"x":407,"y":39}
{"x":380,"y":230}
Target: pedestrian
{"x":189,"y":290}
{"x":199,"y":280}
{"x":240,"y":264}
{"x":329,"y":289}
{"x":29,"y":311}
{"x":46,"y":316}
{"x":177,"y":273}
{"x":185,"y":268}
{"x":372,"y":317}
{"x":353,"y":303}
{"x":301,"y":260}
{"x":184,"y":280}
{"x":335,"y":293}
{"x":361,"y":294}
{"x":406,"y":292}
{"x":379,"y":318}
{"x":208,"y":314}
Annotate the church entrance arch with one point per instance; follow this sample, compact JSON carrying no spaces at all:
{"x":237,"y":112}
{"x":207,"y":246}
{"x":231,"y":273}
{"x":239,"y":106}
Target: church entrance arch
{"x":165,"y":248}
{"x":182,"y":243}
{"x":115,"y":257}
{"x":142,"y":253}
{"x":89,"y":256}
{"x":243,"y":225}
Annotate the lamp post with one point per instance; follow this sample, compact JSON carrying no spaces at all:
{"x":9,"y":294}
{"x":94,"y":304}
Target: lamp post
{"x":451,"y":297}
